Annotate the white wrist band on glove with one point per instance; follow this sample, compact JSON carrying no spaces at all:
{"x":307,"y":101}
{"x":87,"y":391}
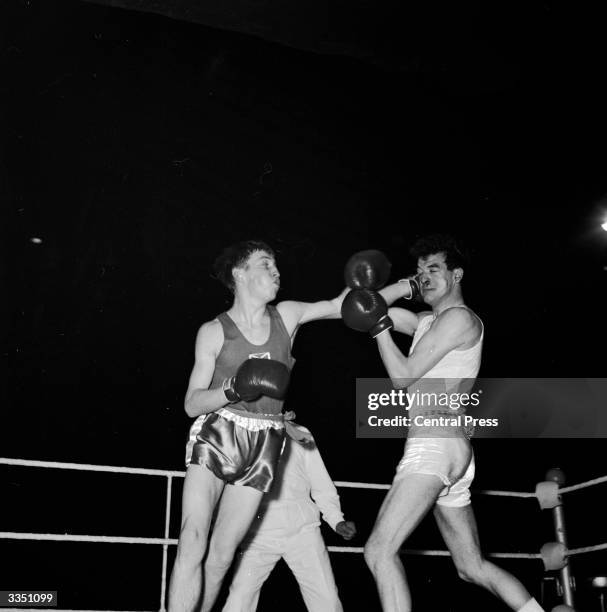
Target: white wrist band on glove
{"x":408,"y":281}
{"x":383,"y":331}
{"x":228,"y":391}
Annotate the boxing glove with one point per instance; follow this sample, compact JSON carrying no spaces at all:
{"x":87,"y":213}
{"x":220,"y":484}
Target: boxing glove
{"x":367,"y":270}
{"x":257,"y":377}
{"x":414,"y":287}
{"x":366,"y":311}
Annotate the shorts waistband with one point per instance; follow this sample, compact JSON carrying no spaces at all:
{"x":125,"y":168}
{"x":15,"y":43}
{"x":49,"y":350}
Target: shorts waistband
{"x":288,"y":418}
{"x":255,"y":415}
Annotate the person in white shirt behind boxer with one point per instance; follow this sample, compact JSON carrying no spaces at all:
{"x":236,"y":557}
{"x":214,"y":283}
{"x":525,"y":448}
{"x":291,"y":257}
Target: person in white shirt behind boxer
{"x":288,"y":527}
{"x":438,"y":463}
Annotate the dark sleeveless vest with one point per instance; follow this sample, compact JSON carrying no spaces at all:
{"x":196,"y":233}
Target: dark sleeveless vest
{"x":236,"y":349}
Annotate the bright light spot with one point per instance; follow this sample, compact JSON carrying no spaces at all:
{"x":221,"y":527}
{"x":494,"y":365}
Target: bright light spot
{"x":604,"y":226}
{"x":36,"y":240}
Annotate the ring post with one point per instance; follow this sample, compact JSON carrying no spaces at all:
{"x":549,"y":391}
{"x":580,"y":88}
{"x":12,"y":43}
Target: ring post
{"x":556,"y":475}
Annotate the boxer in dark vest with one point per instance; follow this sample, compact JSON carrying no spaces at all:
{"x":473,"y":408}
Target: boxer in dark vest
{"x":236,"y":392}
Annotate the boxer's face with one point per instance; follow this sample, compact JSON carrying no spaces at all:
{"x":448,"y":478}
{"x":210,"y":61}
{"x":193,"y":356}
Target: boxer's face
{"x":260,"y":275}
{"x":435,"y":279}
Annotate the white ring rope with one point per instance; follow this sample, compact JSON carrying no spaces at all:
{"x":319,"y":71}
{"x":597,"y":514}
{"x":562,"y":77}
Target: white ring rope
{"x":586,"y":549}
{"x":435,"y":553}
{"x":58,"y":537}
{"x":368,"y":485}
{"x":338,"y":483}
{"x":89,"y":468}
{"x":583,"y":485}
{"x":359,"y":485}
{"x":66,"y":537}
{"x":504,"y":493}
{"x":166,"y":541}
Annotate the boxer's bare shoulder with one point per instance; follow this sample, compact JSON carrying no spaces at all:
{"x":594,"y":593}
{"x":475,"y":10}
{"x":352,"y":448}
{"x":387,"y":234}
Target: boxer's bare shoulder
{"x":209,"y":338}
{"x":405,"y":321}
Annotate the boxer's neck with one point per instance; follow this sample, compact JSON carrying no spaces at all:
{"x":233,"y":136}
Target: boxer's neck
{"x":249,"y":313}
{"x":449,"y":302}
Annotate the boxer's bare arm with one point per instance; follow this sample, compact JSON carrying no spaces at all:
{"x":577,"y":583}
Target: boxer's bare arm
{"x":295,"y":313}
{"x":404,"y":320}
{"x":391,"y":293}
{"x":199,"y":399}
{"x":451,"y":330}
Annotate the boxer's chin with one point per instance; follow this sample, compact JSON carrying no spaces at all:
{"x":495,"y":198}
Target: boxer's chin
{"x":427,"y":296}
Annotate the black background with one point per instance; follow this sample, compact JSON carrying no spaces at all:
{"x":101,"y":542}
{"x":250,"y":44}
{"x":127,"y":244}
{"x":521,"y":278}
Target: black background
{"x":136,"y":146}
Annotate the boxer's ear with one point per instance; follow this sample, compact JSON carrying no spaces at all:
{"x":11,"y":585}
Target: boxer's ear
{"x":458,"y":274}
{"x":237,"y":274}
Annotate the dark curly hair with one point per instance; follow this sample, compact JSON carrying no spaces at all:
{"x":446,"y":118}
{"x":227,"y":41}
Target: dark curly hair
{"x":235,"y":256}
{"x":456,"y":254}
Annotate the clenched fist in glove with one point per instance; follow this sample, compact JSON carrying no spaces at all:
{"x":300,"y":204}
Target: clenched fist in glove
{"x":257,"y":377}
{"x":367,"y":311}
{"x":367,"y":270}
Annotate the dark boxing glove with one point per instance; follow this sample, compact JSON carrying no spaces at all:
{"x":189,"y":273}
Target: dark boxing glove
{"x":366,"y":311}
{"x":367,"y":270}
{"x":257,"y":377}
{"x":414,"y":287}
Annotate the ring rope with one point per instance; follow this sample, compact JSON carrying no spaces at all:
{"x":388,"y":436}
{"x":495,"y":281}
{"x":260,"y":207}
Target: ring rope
{"x":89,"y":467}
{"x":368,"y":485}
{"x":344,"y":484}
{"x":166,"y":541}
{"x":59,"y":537}
{"x":436,"y":553}
{"x":66,"y":537}
{"x":359,"y":485}
{"x":521,"y":494}
{"x":583,"y":485}
{"x":586,"y":549}
{"x":338,"y":483}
